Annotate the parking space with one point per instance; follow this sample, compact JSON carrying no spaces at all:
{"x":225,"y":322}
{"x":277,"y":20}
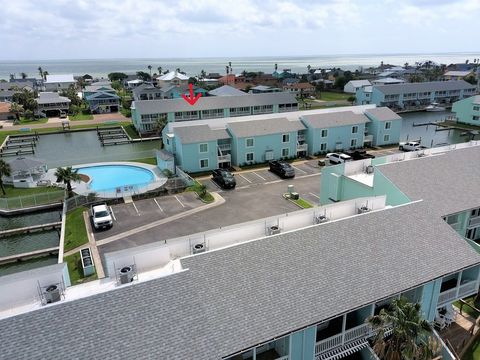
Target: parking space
{"x":131,"y":215}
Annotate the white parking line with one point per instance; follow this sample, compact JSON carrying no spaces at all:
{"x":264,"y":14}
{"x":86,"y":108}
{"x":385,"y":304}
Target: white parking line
{"x":243,"y":187}
{"x":318,"y":197}
{"x":261,"y":177}
{"x":135,"y":208}
{"x":243,"y":177}
{"x":113,"y":214}
{"x":302,"y":171}
{"x":156,"y":202}
{"x":179,"y":201}
{"x":273,"y":182}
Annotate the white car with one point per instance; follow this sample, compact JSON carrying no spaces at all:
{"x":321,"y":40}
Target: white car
{"x":410,"y":146}
{"x":101,"y":217}
{"x":338,"y":158}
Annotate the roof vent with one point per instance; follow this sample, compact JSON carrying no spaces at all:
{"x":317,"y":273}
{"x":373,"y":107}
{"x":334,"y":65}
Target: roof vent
{"x":369,"y":169}
{"x":363,"y":209}
{"x":273,"y":230}
{"x":320,"y":219}
{"x":198,"y":248}
{"x":126,"y":274}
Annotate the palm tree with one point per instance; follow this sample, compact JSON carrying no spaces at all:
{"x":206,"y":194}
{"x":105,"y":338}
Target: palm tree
{"x":411,"y":335}
{"x":159,"y":71}
{"x":40,"y":72}
{"x":276,"y":67}
{"x":203,"y":74}
{"x":67,"y":175}
{"x":149,"y":67}
{"x":308,"y":68}
{"x":5,"y":170}
{"x":45,"y":73}
{"x":23,"y":75}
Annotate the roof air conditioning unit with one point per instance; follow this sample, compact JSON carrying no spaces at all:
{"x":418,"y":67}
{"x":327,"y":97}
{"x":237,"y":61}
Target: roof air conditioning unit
{"x":198,"y":248}
{"x":126,"y":274}
{"x":273,"y":230}
{"x":369,"y":169}
{"x":52,"y":294}
{"x":320,"y":219}
{"x":363,"y":209}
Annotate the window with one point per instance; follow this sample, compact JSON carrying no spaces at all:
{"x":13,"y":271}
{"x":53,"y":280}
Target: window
{"x":203,"y":163}
{"x":168,"y":141}
{"x":212,"y":114}
{"x":354,"y":129}
{"x":388,"y":125}
{"x":324,"y":133}
{"x":452,"y":219}
{"x":203,"y":148}
{"x":285,"y":152}
{"x":323,"y":147}
{"x":353,"y":143}
{"x":249,"y":142}
{"x":286,"y":138}
{"x":476,"y":108}
{"x":249,"y":157}
{"x":475,"y":117}
{"x":386,"y":138}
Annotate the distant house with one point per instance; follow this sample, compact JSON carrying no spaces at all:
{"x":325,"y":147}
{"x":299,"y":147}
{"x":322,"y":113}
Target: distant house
{"x":290,"y":81}
{"x":304,"y":89}
{"x":387,"y":81}
{"x":7,"y":95}
{"x":467,"y":111}
{"x":176,"y":91}
{"x":228,"y":79}
{"x":131,"y":84}
{"x":101,"y":99}
{"x":58,"y":82}
{"x":457,"y":75}
{"x":262,"y":89}
{"x":214,"y":76}
{"x":51,"y":104}
{"x":352,"y":86}
{"x":5,"y":113}
{"x":226,"y":90}
{"x":172,"y":78}
{"x":208,"y":82}
{"x":147,"y":91}
{"x":28,"y":84}
{"x":286,"y":73}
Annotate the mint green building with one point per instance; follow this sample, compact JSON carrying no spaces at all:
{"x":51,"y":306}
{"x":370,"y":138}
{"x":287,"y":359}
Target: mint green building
{"x":467,"y":111}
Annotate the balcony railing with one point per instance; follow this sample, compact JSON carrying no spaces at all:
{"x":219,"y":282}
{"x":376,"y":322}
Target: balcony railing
{"x":282,"y":358}
{"x":225,"y":147}
{"x":224,"y":158}
{"x":328,"y":344}
{"x":464,"y":290}
{"x":358,"y":332}
{"x":467,"y":289}
{"x":303,"y":147}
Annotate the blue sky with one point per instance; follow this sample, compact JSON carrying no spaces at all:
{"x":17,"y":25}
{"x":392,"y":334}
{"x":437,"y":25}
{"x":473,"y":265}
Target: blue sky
{"x":65,"y":29}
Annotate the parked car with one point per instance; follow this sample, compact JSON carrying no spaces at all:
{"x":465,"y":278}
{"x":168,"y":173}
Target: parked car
{"x":411,"y":146}
{"x":224,"y":178}
{"x":101,"y":217}
{"x":359,"y":154}
{"x":282,"y":169}
{"x":63,"y":115}
{"x":338,"y":158}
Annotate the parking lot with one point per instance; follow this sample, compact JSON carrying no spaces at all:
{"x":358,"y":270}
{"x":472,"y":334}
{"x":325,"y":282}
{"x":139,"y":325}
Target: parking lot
{"x":262,"y":176}
{"x":131,"y":215}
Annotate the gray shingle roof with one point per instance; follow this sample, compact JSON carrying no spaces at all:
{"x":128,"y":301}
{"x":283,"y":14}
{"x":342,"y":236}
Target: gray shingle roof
{"x":197,"y":133}
{"x":279,"y":125}
{"x":393,"y":89}
{"x":235,"y":298}
{"x":383,"y":114}
{"x":212,"y":102}
{"x":94,"y":88}
{"x":333,"y":119}
{"x":51,"y":97}
{"x":226,"y":90}
{"x":450,"y":182}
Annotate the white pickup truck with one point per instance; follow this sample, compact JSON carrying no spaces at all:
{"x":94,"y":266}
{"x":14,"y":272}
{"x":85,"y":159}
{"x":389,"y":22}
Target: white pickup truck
{"x":101,"y":217}
{"x":411,"y":146}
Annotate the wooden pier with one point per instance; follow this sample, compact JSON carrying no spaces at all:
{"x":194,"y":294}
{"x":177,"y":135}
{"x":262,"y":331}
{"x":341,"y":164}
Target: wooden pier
{"x":18,"y":145}
{"x":30,"y":229}
{"x":115,"y":136}
{"x":28,"y":255}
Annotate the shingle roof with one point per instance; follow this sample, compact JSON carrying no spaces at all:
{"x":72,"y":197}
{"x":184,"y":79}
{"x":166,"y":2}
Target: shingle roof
{"x":457,"y":73}
{"x":212,"y":102}
{"x":94,"y":88}
{"x":198,"y":133}
{"x":333,"y":119}
{"x":226,"y":90}
{"x":450,"y":182}
{"x":383,"y":114}
{"x":50,"y":97}
{"x":102,"y":95}
{"x":359,"y":83}
{"x":423,"y":87}
{"x":60,"y":79}
{"x":279,"y":125}
{"x":7,"y":93}
{"x":233,"y":299}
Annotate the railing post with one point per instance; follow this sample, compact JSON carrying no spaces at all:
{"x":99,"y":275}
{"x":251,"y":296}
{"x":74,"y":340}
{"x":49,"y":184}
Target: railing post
{"x":344,"y":325}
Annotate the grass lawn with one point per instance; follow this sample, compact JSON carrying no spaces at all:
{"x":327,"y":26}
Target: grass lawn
{"x":24,"y":121}
{"x":199,"y":189}
{"x":467,"y":309}
{"x":75,"y":269}
{"x":15,"y":192}
{"x":80,"y":116}
{"x":303,"y":203}
{"x":333,"y":96}
{"x":151,"y":161}
{"x":130,"y":130}
{"x":473,"y":352}
{"x":75,"y":231}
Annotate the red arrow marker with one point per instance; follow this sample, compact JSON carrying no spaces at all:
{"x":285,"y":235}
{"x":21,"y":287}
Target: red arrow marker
{"x":191,"y":99}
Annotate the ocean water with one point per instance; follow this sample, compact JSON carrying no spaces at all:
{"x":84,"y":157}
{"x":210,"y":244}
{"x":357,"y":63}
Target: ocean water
{"x":193,"y":66}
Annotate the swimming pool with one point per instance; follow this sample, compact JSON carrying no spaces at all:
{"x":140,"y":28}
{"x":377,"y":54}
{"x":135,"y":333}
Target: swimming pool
{"x":104,"y":177}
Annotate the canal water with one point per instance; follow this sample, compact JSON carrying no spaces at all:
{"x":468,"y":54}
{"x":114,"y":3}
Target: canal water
{"x":19,"y":244}
{"x":82,"y":147}
{"x":428,"y":134}
{"x":18,"y":221}
{"x":28,"y":264}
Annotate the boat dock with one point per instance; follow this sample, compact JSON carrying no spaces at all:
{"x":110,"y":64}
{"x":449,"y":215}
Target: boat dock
{"x":30,"y":229}
{"x":17,"y":145}
{"x":28,"y":255}
{"x":113,"y":136}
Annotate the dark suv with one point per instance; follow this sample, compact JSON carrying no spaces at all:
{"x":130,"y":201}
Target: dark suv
{"x":359,"y":154}
{"x":224,"y":178}
{"x":282,"y":169}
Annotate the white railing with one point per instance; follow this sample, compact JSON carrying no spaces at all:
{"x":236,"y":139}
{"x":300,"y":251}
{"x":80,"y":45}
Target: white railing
{"x":467,"y":289}
{"x":303,"y":147}
{"x":447,"y":296}
{"x":357,"y":332}
{"x":474,"y":221}
{"x":224,"y":147}
{"x":328,"y":344}
{"x":282,"y":358}
{"x":224,"y":158}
